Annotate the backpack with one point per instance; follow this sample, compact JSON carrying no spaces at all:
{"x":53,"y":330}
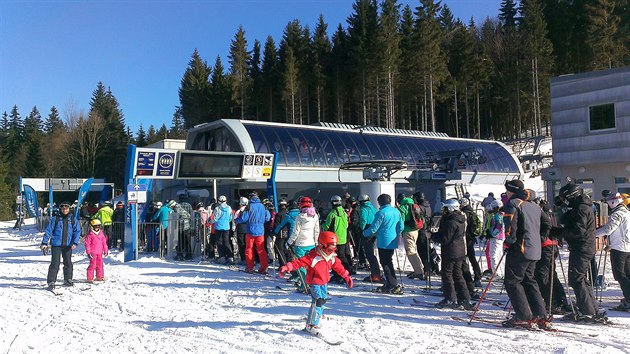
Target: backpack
{"x":417,"y":219}
{"x":476,"y":226}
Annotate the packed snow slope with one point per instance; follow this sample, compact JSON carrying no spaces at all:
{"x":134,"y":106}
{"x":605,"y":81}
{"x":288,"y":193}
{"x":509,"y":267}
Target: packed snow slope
{"x":158,"y":306}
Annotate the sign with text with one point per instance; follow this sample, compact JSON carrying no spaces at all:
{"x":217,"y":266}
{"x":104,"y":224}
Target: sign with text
{"x":155,"y":163}
{"x":257,"y":166}
{"x":137,"y":193}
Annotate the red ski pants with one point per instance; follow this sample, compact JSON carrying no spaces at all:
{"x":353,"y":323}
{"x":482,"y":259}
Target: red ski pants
{"x":259,"y":242}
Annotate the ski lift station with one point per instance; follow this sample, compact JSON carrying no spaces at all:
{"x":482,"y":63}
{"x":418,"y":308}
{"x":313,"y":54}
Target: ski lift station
{"x":590,"y":120}
{"x":324,"y":159}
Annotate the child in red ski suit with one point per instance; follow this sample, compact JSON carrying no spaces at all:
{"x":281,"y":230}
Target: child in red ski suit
{"x":318,"y":263}
{"x":96,"y":248}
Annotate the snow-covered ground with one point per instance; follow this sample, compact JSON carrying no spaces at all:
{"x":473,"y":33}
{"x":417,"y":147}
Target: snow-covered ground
{"x":157,"y":306}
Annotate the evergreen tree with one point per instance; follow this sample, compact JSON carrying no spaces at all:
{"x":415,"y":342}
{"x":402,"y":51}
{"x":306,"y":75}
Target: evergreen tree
{"x":240,"y":82}
{"x":297,"y":39}
{"x":339,"y":75}
{"x":290,"y":85}
{"x":430,"y":58}
{"x":7,"y":197}
{"x":461,"y":54}
{"x":194,"y":92}
{"x":33,"y":136}
{"x":162,"y":133}
{"x":362,"y":34}
{"x":255,"y":74}
{"x":388,"y":62}
{"x":220,"y":91}
{"x":111,"y":157}
{"x":4,"y":124}
{"x":537,"y":55}
{"x":14,"y":149}
{"x":177,"y":125}
{"x":141,"y":137}
{"x":53,"y":122}
{"x":152,"y":136}
{"x":321,"y":54}
{"x":604,"y":38}
{"x":507,"y":13}
{"x":269,"y":70}
{"x":408,"y":95}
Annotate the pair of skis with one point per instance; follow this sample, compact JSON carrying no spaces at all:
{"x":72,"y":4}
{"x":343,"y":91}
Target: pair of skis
{"x":499,"y":324}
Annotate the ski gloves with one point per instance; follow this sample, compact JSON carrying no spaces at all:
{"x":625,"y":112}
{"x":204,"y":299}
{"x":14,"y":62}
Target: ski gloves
{"x":289,"y":268}
{"x":44,"y":249}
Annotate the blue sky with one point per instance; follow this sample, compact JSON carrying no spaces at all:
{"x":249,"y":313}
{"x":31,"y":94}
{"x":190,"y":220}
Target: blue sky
{"x":55,"y":52}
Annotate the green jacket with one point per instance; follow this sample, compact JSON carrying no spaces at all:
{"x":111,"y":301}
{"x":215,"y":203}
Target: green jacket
{"x":338,"y":219}
{"x":405,"y":212}
{"x":104,"y":214}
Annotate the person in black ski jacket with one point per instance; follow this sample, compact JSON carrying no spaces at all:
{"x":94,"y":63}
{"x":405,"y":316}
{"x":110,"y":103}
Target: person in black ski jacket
{"x":427,"y":253}
{"x":577,"y":228}
{"x":451,"y":234}
{"x":524,"y":225}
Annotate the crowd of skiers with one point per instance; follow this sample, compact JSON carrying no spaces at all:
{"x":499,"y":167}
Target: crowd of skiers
{"x":521,"y":237}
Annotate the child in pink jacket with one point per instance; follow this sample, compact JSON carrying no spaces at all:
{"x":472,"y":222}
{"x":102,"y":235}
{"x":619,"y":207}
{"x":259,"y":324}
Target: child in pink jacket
{"x":96,"y":248}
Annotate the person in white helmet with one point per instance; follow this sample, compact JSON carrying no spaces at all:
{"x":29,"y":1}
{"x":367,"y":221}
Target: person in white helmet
{"x":618,"y":231}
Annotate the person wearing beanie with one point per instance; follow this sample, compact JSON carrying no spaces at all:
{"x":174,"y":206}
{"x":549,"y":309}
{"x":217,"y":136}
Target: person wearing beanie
{"x":524,"y":224}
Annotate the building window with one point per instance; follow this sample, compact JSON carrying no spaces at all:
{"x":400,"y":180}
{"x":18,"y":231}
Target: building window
{"x":602,"y":116}
{"x":620,"y":180}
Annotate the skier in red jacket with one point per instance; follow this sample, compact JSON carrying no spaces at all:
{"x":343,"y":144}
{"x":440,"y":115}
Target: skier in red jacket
{"x":318,"y":263}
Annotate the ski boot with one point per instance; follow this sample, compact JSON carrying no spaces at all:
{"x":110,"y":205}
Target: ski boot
{"x":445,"y":303}
{"x":397,"y":290}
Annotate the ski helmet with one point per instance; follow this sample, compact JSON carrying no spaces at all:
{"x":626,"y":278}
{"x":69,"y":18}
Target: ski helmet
{"x":222,"y":199}
{"x":450,"y":205}
{"x":282,"y":202}
{"x":363,"y":198}
{"x":328,"y":240}
{"x":243,"y":201}
{"x":95,"y":223}
{"x":570,"y":191}
{"x":613,"y":200}
{"x":305,"y":202}
{"x":335,"y":200}
{"x":495,"y":204}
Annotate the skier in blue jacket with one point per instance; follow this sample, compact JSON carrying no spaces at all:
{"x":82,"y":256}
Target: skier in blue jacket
{"x":255,"y":216}
{"x":63,"y":233}
{"x":387,"y":226}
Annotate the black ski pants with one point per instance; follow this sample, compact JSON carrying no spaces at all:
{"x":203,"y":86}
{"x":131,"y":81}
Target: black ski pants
{"x":472,"y":258}
{"x":343,"y":252}
{"x":385,"y":256}
{"x":224,"y":243}
{"x":620,"y":262}
{"x":522,"y":288}
{"x":545,"y":277}
{"x":59,"y":252}
{"x":579,"y":266}
{"x":369,"y":245}
{"x":454,"y":286}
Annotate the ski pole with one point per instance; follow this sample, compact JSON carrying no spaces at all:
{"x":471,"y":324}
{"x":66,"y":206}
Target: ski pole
{"x":308,"y":292}
{"x":553,"y":270}
{"x":483,"y":295}
{"x":399,"y":272}
{"x":599,"y":262}
{"x":566,"y":283}
{"x":601,"y":293}
{"x":429,"y":263}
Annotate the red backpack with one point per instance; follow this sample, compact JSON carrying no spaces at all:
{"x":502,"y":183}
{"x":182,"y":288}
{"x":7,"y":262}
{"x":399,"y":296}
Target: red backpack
{"x":417,"y":217}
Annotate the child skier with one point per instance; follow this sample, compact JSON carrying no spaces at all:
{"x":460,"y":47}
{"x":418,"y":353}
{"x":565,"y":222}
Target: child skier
{"x":318,"y":263}
{"x":96,"y":248}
